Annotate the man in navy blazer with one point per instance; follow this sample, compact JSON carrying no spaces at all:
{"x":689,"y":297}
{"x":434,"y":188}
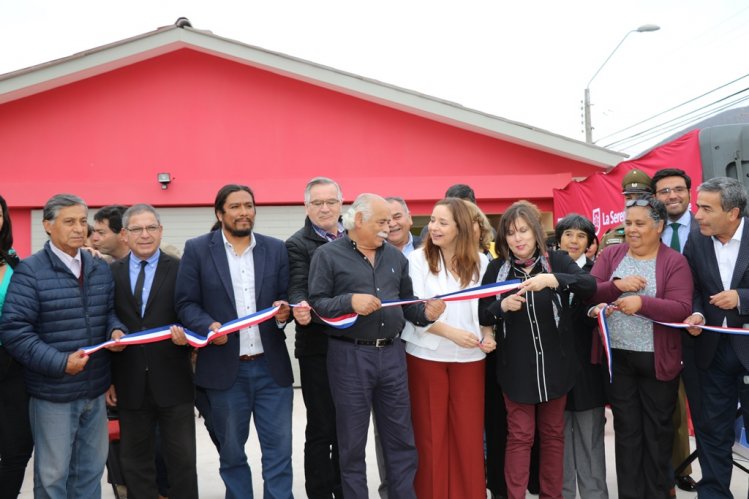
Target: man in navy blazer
{"x":225,"y":274}
{"x":719,"y":259}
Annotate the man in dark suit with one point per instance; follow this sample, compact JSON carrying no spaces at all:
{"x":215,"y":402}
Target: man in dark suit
{"x":152,"y":383}
{"x":225,"y":274}
{"x":719,"y":259}
{"x":671,"y":187}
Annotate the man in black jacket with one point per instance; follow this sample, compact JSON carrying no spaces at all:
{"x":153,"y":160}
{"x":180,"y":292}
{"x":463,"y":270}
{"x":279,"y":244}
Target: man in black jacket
{"x":152,"y":382}
{"x":322,"y":200}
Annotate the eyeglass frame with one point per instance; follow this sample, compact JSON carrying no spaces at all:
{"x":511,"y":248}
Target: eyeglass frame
{"x":679,"y":189}
{"x":330,"y":203}
{"x":137,"y":231}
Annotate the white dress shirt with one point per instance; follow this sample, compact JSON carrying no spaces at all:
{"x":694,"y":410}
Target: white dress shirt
{"x":685,"y":224}
{"x":71,"y":262}
{"x":460,"y":314}
{"x":242,"y":270}
{"x":726,"y":255}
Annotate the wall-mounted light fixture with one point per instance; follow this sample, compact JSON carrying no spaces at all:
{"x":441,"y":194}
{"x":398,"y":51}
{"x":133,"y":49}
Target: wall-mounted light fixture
{"x":164,"y":179}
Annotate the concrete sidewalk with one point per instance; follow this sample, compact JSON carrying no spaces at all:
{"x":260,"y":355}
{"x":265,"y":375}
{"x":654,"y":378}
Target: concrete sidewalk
{"x":211,"y":486}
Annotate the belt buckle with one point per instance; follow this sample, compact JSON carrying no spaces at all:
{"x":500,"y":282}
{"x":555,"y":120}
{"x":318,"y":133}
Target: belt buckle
{"x":380,"y":342}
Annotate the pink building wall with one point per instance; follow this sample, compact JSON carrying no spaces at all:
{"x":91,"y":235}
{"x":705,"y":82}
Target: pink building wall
{"x":210,"y":121}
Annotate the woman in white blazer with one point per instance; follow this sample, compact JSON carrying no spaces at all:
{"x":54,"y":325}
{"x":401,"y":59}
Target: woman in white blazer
{"x":446,"y":359}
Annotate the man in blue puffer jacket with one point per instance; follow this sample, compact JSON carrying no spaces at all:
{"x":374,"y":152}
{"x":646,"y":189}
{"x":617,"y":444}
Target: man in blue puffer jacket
{"x":60,"y":300}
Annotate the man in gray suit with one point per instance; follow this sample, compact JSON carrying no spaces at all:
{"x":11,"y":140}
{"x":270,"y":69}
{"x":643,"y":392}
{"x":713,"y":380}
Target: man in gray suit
{"x":719,"y":259}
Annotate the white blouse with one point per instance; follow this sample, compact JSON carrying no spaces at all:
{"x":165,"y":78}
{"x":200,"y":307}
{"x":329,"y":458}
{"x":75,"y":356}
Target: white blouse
{"x":460,"y":314}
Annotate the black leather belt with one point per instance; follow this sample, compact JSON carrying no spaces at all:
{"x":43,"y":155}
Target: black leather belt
{"x":247,"y":358}
{"x":379,"y":343}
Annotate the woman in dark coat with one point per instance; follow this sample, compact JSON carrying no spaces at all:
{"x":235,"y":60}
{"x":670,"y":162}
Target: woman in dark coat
{"x":584,"y":416}
{"x":536,"y":355}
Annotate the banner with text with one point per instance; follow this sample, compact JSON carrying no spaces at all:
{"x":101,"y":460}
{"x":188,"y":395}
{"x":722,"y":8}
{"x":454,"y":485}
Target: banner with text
{"x":599,"y":197}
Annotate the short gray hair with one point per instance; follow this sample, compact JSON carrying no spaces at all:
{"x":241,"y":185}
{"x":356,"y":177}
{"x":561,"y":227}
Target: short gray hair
{"x":137,"y":209}
{"x":58,"y":202}
{"x":732,"y":192}
{"x":398,"y":199}
{"x":363,"y":205}
{"x":321,"y":181}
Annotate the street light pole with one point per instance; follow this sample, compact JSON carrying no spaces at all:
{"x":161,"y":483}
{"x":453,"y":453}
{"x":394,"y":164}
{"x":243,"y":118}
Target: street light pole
{"x":645,"y":28}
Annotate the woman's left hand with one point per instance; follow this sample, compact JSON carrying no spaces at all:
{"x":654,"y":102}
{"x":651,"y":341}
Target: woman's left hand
{"x":538,"y":282}
{"x":463,"y":338}
{"x":629,"y":305}
{"x":488,"y":343}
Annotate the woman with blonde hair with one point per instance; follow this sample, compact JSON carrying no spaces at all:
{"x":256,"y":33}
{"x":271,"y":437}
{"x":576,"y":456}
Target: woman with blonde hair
{"x":446,"y":360}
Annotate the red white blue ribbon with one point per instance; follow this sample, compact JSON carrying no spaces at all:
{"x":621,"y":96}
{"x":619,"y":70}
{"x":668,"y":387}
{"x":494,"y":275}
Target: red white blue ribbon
{"x":342,"y":322}
{"x":603,"y":329}
{"x":492,"y":289}
{"x":194,"y":339}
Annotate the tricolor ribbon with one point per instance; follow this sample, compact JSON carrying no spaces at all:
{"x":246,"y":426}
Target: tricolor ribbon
{"x":603,"y":329}
{"x":492,"y":289}
{"x":194,"y":339}
{"x":341,"y":322}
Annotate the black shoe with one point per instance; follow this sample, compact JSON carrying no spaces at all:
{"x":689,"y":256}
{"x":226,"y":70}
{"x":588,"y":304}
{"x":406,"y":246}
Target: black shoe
{"x":686,"y":483}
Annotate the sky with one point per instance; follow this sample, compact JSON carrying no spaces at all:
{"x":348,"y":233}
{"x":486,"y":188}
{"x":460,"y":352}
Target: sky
{"x":524,"y":61}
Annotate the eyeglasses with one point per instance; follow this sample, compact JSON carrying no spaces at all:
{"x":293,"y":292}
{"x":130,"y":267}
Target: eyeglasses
{"x":136,"y":231}
{"x":668,"y":190}
{"x":330,"y":203}
{"x":636,"y":202}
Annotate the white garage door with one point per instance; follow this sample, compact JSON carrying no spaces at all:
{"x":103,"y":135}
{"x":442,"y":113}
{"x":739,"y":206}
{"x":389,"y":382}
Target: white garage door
{"x":181,"y":224}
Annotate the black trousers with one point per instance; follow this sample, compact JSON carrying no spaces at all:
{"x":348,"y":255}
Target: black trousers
{"x":15,"y":431}
{"x":643,"y":408}
{"x":322,"y":474}
{"x":723,"y":386}
{"x":176,"y":426}
{"x":691,"y":377}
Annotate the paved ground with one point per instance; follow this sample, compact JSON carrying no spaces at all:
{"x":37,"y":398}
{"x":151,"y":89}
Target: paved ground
{"x":211,"y":486}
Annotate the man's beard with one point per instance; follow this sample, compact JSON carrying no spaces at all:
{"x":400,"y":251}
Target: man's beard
{"x":240,"y":232}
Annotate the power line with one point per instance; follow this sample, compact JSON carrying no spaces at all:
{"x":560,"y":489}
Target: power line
{"x":668,"y":122}
{"x":692,"y":121}
{"x":671,"y":125}
{"x":661,"y":113}
{"x":685,"y":123}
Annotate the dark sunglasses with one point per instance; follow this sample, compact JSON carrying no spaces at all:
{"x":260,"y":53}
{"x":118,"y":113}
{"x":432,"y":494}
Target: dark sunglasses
{"x":636,"y":202}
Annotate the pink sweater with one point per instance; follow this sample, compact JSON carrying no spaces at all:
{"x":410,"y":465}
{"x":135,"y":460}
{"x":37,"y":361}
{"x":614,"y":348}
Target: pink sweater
{"x":672,"y":301}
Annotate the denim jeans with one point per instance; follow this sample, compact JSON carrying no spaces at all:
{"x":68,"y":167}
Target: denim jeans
{"x":254,"y":394}
{"x":71,"y":445}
